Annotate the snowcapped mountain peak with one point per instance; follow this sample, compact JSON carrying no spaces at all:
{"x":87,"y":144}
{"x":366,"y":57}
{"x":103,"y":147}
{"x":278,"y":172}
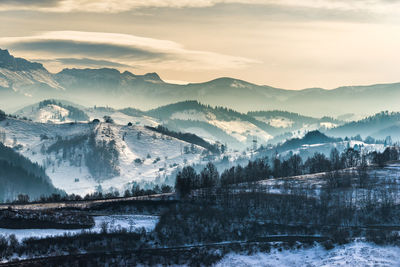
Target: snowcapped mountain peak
{"x":154,"y":77}
{"x":25,"y":77}
{"x":7,"y":61}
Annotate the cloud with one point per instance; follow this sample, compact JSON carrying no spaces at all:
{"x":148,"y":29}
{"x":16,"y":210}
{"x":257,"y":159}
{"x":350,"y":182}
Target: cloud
{"x":67,"y":47}
{"x":93,"y":48}
{"x":115,"y":6}
{"x":111,"y":6}
{"x":18,"y":4}
{"x":84,"y":62}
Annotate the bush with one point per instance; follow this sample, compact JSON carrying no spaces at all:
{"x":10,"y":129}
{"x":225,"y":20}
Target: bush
{"x":108,"y":119}
{"x":2,"y":115}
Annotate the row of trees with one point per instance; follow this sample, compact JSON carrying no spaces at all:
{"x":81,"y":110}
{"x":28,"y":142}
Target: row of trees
{"x":134,"y":191}
{"x":390,"y":153}
{"x":102,"y":158}
{"x":188,"y":179}
{"x":188,"y":137}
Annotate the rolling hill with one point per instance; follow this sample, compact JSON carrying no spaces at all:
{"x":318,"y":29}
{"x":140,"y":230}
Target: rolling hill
{"x":215,"y":124}
{"x":378,"y":126}
{"x":80,"y":157}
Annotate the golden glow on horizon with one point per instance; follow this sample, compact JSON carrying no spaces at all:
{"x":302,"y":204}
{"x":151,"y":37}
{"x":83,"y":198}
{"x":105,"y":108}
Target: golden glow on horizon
{"x":286,"y":43}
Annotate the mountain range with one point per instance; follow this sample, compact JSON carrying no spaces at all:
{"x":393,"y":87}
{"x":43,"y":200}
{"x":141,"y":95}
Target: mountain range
{"x":23,"y":82}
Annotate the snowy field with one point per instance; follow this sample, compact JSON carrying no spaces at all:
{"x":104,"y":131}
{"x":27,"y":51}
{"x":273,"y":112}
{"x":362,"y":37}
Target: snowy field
{"x":114,"y":222}
{"x":353,"y":254}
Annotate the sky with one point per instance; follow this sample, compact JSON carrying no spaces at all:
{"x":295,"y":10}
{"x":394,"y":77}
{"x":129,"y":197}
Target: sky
{"x":291,"y":44}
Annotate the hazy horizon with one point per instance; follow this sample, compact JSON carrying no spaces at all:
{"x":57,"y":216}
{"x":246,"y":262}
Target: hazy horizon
{"x":284,"y":44}
{"x":180,"y":82}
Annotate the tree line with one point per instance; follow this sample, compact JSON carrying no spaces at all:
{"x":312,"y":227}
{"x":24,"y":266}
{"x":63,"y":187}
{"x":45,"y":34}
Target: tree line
{"x":187,"y":137}
{"x":260,"y":169}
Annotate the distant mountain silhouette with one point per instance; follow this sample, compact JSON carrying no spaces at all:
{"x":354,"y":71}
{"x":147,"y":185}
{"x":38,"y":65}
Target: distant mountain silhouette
{"x":30,"y":82}
{"x":379,"y":125}
{"x":7,"y":61}
{"x":310,"y":138}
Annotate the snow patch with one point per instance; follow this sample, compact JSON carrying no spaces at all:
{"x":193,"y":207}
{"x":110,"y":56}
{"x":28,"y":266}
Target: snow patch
{"x":114,"y":222}
{"x":160,"y":155}
{"x":354,"y":254}
{"x":242,"y":130}
{"x":277,"y":122}
{"x":327,"y":125}
{"x":190,"y":114}
{"x":237,"y":84}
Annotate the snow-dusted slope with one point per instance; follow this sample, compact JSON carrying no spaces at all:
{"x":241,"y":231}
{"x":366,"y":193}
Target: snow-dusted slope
{"x":64,"y":149}
{"x":243,"y":131}
{"x":120,"y":118}
{"x":23,"y":76}
{"x":278,"y":122}
{"x":214,"y":124}
{"x":22,"y":81}
{"x":50,"y":113}
{"x":57,"y":111}
{"x":235,"y":129}
{"x":159,"y":154}
{"x":358,"y":254}
{"x":53,"y":111}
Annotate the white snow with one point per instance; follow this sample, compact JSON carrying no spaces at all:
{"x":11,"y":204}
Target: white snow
{"x":190,"y":114}
{"x":201,"y":132}
{"x":20,"y":79}
{"x":241,"y":130}
{"x":119,"y":117}
{"x":51,"y":113}
{"x":114,"y":222}
{"x":353,"y":254}
{"x":327,"y":125}
{"x":277,"y":122}
{"x":62,"y":173}
{"x":238,"y":84}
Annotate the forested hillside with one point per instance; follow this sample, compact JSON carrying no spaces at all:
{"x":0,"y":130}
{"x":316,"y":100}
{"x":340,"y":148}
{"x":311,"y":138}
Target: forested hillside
{"x":379,"y":125}
{"x":18,"y":175}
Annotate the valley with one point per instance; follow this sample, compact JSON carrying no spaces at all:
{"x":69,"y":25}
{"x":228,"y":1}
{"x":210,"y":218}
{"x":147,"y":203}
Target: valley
{"x":108,"y":167}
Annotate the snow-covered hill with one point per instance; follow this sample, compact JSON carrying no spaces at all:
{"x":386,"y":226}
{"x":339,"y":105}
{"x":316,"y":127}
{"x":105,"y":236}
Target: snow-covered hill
{"x":215,"y":124}
{"x":53,"y":111}
{"x":61,"y":111}
{"x":353,"y":254}
{"x":377,"y":126}
{"x":79,"y":157}
{"x":121,"y":117}
{"x":235,"y":129}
